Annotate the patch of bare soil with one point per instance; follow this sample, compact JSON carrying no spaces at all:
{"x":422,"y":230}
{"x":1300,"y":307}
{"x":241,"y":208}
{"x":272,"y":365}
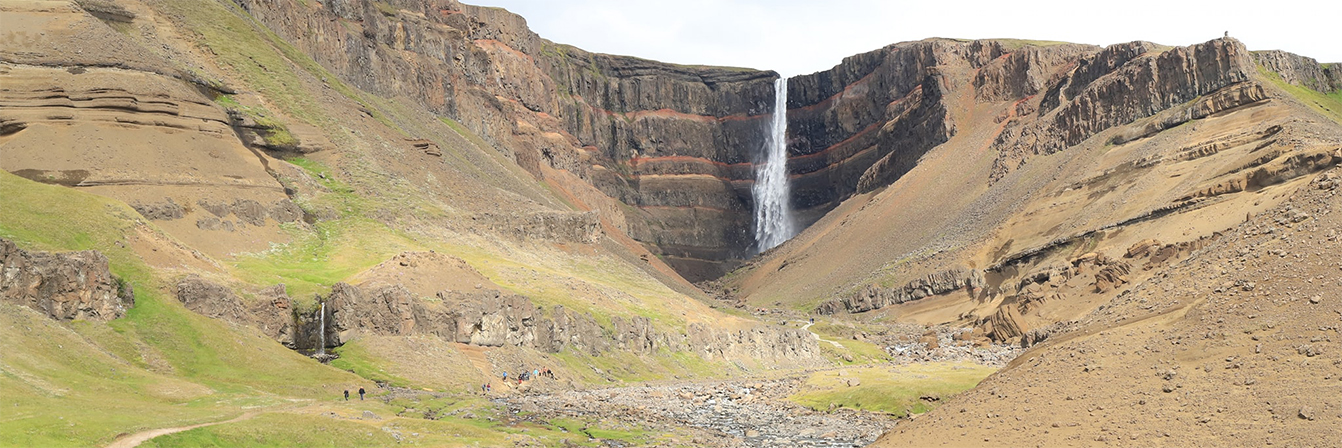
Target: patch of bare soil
{"x":426,"y":273}
{"x":1238,"y":345}
{"x":136,"y":439}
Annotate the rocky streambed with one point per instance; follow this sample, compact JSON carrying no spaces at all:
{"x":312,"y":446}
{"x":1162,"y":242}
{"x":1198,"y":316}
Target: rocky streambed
{"x":716,"y":414}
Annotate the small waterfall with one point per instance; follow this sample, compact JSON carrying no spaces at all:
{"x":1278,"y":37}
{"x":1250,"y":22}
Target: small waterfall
{"x":321,"y":348}
{"x":773,"y":209}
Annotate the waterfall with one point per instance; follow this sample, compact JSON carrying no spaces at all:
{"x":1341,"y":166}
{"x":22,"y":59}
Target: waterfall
{"x":773,"y":211}
{"x":321,"y":349}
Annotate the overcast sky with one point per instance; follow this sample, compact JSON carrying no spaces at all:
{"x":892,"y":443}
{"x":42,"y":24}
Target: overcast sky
{"x":803,"y":36}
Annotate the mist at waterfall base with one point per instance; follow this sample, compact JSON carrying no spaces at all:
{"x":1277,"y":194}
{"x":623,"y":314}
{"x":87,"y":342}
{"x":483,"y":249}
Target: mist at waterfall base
{"x":773,"y":209}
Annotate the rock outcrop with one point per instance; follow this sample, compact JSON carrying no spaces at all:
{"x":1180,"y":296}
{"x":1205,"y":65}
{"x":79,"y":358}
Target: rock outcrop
{"x":272,"y":312}
{"x":1301,"y":70}
{"x":64,"y":286}
{"x":875,"y":297}
{"x":568,"y":227}
{"x":494,"y":319}
{"x":1121,"y":84}
{"x":482,"y":317}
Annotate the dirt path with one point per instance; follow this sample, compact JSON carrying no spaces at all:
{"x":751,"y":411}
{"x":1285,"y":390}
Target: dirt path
{"x":478,"y":359}
{"x":136,"y":439}
{"x":807,"y":327}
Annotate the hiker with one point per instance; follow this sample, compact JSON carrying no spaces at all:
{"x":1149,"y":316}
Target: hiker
{"x":536,"y":373}
{"x":505,"y":375}
{"x":346,"y":394}
{"x":361,"y":394}
{"x":488,"y":387}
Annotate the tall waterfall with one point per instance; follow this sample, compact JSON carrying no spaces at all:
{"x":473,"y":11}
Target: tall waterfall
{"x":321,"y":349}
{"x":773,"y":212}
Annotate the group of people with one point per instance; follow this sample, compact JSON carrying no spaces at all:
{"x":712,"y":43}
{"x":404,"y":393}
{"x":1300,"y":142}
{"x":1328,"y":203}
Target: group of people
{"x":526,"y":375}
{"x":361,"y":392}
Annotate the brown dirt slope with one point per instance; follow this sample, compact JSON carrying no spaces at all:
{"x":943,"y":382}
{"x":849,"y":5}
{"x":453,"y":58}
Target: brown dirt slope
{"x":1238,"y":345}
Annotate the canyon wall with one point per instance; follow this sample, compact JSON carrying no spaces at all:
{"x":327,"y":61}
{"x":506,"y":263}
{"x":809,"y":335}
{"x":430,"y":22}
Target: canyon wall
{"x":864,"y":123}
{"x":675,"y":143}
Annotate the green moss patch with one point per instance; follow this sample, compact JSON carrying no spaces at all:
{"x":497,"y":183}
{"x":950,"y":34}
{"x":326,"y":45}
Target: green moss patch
{"x":897,"y":390}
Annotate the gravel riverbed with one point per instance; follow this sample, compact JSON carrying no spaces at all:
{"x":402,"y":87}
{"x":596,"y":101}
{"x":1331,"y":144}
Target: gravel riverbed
{"x":713,"y":414}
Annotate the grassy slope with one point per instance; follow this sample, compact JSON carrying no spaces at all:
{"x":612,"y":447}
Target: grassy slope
{"x":161,"y":364}
{"x":1327,"y":104}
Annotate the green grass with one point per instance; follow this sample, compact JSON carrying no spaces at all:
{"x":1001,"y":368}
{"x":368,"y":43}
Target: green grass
{"x":890,"y":389}
{"x":1016,"y":44}
{"x":291,"y":430}
{"x":160,"y":365}
{"x":1327,"y":104}
{"x":357,"y":359}
{"x":261,"y":58}
{"x":313,"y":261}
{"x":275,"y":133}
{"x":385,"y":8}
{"x":862,"y":352}
{"x":61,"y":390}
{"x":333,"y":250}
{"x":592,"y":433}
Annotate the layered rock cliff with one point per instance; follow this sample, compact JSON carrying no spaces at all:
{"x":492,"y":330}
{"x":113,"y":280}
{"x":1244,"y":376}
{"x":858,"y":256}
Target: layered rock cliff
{"x":674,"y":143}
{"x":1124,"y":83}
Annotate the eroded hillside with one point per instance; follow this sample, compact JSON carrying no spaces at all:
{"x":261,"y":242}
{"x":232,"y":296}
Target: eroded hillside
{"x":272,"y":202}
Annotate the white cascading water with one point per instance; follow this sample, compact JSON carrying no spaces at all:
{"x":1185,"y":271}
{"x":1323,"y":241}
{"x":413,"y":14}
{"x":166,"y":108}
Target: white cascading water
{"x":773,"y":212}
{"x":321,"y":349}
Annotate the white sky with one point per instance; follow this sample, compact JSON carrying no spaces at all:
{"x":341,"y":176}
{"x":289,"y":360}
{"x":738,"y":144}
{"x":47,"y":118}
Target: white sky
{"x":803,"y":36}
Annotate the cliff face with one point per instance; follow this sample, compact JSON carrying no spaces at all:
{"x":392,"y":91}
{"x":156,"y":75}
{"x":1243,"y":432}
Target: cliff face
{"x":1301,"y":70}
{"x":672,"y":142}
{"x":1119,"y":85}
{"x":866,"y":122}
